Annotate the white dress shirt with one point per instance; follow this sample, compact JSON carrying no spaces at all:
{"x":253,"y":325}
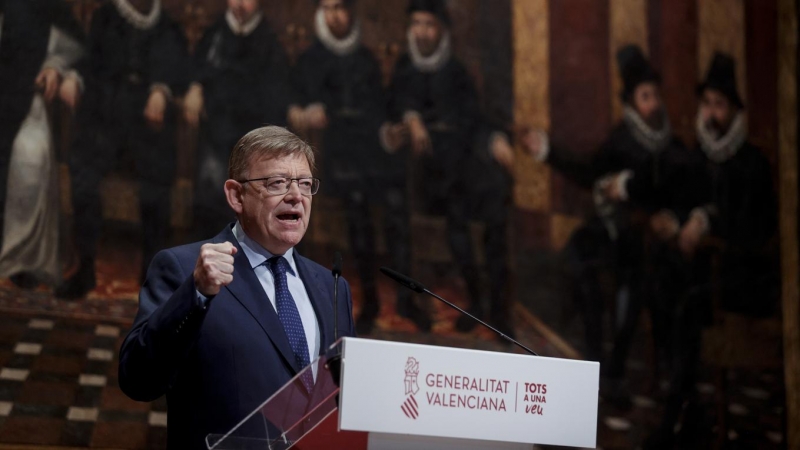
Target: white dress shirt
{"x":258,"y":256}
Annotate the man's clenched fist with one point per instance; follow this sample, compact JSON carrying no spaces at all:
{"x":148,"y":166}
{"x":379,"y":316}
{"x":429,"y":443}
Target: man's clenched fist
{"x":214,"y":268}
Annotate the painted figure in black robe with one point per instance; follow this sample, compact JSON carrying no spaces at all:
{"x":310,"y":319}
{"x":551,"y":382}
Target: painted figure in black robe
{"x":240,"y":82}
{"x":638,"y":176}
{"x":40,"y":44}
{"x":434,"y":95}
{"x":136,"y":56}
{"x":736,"y":227}
{"x":25,"y":32}
{"x":338,"y":90}
{"x":489,"y":186}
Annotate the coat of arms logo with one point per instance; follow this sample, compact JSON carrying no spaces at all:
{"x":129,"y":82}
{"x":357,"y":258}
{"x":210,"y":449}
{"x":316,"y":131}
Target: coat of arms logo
{"x":410,"y":407}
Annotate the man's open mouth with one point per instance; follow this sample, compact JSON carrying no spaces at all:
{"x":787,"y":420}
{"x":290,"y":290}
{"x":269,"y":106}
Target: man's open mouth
{"x":289,"y":217}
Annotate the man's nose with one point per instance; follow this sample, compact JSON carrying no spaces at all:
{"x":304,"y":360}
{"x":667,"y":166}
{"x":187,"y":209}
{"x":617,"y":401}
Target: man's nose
{"x":294,"y":191}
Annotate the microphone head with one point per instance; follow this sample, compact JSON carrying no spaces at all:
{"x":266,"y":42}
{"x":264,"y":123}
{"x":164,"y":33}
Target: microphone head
{"x":404,"y":280}
{"x":337,"y":264}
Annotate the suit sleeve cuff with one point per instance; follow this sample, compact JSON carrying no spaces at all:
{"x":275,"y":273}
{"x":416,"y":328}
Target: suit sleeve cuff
{"x":56,"y":63}
{"x":622,"y":184}
{"x":317,"y":106}
{"x":494,"y":138}
{"x":542,"y":156}
{"x":701,"y":215}
{"x":383,"y":134}
{"x":163,"y":88}
{"x":411,"y":115}
{"x":77,"y":76}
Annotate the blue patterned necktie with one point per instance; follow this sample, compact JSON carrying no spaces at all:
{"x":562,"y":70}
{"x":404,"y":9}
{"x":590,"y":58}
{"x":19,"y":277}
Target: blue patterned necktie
{"x":290,"y":317}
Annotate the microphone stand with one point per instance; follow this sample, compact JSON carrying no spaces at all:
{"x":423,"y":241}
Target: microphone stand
{"x":419,"y":288}
{"x":334,"y":363}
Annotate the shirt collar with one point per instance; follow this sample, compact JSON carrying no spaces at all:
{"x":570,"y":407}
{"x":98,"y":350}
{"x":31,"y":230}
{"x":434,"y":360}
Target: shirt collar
{"x":258,"y":255}
{"x":242,"y":29}
{"x":339,"y":47}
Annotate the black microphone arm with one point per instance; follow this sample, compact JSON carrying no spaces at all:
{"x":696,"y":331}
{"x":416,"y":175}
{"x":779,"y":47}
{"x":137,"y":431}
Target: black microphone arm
{"x":336,"y":272}
{"x":416,"y":286}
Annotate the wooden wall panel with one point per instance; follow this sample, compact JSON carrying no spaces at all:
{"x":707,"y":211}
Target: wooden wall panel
{"x":787,"y":31}
{"x":628,"y":26}
{"x":761,"y":48}
{"x":531,"y":97}
{"x":722,"y":28}
{"x":579,"y":87}
{"x":673,"y":45}
{"x":495,"y":35}
{"x":467,"y":35}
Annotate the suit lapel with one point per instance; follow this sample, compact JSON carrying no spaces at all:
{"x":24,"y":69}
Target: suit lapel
{"x":320,"y":300}
{"x":248,"y":291}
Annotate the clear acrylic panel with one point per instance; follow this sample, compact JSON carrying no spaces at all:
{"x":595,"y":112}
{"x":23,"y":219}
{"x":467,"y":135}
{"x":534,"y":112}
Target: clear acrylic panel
{"x":289,"y":414}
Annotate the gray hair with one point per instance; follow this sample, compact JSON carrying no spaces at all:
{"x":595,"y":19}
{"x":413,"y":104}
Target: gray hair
{"x":268,"y":142}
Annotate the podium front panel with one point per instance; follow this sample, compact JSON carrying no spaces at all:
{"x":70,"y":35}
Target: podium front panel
{"x":290,"y":414}
{"x":412,"y":389}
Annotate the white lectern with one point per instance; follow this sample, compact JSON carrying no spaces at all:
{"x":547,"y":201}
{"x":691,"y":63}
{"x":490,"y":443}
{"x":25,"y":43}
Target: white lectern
{"x":390,"y":395}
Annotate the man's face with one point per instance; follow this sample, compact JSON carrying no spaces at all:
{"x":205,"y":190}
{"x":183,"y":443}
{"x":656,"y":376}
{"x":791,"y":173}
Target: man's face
{"x":337,"y":17}
{"x":646,"y":100}
{"x":277,"y":222}
{"x":426,"y":30}
{"x":716,"y":111}
{"x":243,"y":10}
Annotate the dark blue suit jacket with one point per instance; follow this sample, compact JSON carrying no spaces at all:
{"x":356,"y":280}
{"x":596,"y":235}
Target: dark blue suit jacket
{"x":219,"y":361}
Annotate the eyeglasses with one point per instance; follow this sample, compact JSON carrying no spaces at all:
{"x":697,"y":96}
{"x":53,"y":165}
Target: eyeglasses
{"x":280,"y":185}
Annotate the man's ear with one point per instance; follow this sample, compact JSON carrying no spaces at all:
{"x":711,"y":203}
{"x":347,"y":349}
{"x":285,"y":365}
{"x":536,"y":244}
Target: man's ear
{"x":233,"y":193}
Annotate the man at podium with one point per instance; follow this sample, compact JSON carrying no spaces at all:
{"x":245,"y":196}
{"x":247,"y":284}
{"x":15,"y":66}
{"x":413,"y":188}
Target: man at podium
{"x":224,"y":323}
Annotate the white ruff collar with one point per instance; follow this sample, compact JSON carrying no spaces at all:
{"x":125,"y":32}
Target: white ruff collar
{"x":436,"y":60}
{"x":653,"y":140}
{"x":137,"y":19}
{"x":242,"y":29}
{"x":339,"y":47}
{"x":720,"y":149}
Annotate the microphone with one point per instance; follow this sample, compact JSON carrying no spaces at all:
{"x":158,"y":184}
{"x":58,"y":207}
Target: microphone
{"x":336,"y":272}
{"x":334,"y":362}
{"x":337,"y":265}
{"x":404,"y":280}
{"x":419,"y":288}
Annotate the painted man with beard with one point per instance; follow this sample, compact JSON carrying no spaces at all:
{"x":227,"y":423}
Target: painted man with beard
{"x":337,"y":85}
{"x":639,"y":189}
{"x":136,"y":57}
{"x":742,"y":212}
{"x":433,"y":94}
{"x":240,"y":82}
{"x":737,"y":224}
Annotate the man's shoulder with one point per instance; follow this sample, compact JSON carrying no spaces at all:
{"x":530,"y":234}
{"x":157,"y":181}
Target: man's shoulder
{"x":166,"y":22}
{"x":265,"y":32}
{"x":218,"y":25}
{"x":453,"y":69}
{"x":621,"y":137}
{"x":192,"y":249}
{"x":403,"y":63}
{"x":455,"y":64}
{"x":311,"y":265}
{"x":364,"y":55}
{"x":104,"y":13}
{"x":753,"y":157}
{"x":677,"y":146}
{"x":314,"y":53}
{"x":752,"y":150}
{"x":679,"y":155}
